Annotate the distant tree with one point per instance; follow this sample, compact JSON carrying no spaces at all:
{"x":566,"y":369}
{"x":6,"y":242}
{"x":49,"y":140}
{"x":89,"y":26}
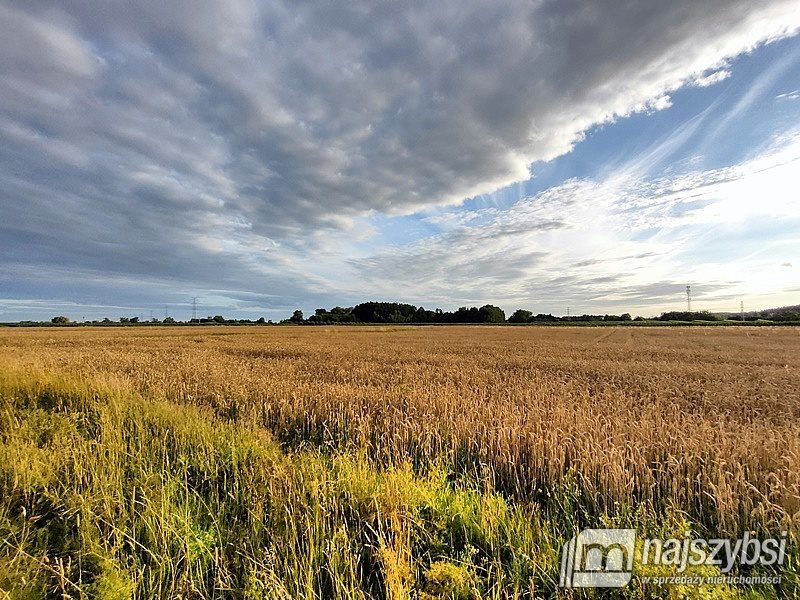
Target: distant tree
{"x":785,"y":313}
{"x":337,"y":314}
{"x":521,"y":316}
{"x":545,"y":317}
{"x":384,"y":312}
{"x":320,"y":316}
{"x":134,"y":319}
{"x":124,"y":320}
{"x":491,"y":314}
{"x":261,"y":320}
{"x":688,"y":316}
{"x":424,"y":316}
{"x":622,"y":317}
{"x":396,"y":312}
{"x":342,"y":315}
{"x":60,"y":320}
{"x":168,"y":320}
{"x":465,"y":315}
{"x":218,"y":319}
{"x":106,"y":321}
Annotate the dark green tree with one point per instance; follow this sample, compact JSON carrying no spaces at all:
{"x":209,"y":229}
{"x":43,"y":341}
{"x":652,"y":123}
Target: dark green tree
{"x":521,"y":316}
{"x":491,"y":314}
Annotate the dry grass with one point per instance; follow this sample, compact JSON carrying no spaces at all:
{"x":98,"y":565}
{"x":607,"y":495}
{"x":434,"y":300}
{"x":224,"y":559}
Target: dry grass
{"x":700,"y":420}
{"x":424,"y":462}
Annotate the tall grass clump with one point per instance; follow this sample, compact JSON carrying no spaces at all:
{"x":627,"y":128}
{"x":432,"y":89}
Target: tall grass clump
{"x":107,"y":495}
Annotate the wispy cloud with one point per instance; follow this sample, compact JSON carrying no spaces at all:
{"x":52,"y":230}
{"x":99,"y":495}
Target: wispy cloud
{"x":789,"y":95}
{"x":617,"y":241}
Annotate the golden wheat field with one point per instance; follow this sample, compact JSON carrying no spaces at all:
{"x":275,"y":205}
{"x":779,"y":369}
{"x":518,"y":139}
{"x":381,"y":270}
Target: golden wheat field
{"x":566,"y":426}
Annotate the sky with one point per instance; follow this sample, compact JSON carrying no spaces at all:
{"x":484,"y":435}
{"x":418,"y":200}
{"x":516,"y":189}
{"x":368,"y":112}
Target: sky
{"x":597,"y":156}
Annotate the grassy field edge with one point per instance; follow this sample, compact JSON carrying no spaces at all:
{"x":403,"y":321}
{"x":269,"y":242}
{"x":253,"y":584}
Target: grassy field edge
{"x":107,"y":494}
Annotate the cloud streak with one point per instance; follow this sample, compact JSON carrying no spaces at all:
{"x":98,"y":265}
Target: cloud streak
{"x":623,"y":240}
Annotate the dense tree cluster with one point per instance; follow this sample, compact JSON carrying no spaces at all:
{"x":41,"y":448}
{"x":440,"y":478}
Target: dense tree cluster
{"x":526,"y":316}
{"x":678,"y":315}
{"x":787,"y":316}
{"x":394,"y":312}
{"x":397,"y":312}
{"x":783,"y":314}
{"x":216,"y":319}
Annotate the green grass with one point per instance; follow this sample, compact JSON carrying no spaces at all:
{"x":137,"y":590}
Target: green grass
{"x":105,"y":494}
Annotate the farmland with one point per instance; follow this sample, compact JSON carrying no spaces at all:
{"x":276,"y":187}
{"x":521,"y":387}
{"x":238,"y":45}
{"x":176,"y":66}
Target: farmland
{"x":397,"y":462}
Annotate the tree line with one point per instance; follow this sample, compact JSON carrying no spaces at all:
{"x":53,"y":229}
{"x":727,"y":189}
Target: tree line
{"x":398,"y":313}
{"x":395,"y":312}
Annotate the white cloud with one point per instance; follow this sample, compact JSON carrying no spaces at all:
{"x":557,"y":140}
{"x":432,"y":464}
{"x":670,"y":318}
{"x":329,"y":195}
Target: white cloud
{"x":291,"y":113}
{"x":620,"y":241}
{"x":712,"y":78}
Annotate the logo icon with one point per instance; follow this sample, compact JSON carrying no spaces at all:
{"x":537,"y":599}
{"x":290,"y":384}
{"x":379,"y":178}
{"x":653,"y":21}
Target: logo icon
{"x":598,"y":558}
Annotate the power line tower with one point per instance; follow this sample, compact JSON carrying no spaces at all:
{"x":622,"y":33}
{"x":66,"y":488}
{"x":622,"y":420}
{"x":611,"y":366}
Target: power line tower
{"x":194,"y":309}
{"x":741,"y":311}
{"x":689,"y":298}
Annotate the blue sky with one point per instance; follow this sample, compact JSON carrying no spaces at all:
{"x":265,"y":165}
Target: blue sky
{"x":745,"y":116}
{"x":694,"y":133}
{"x":265,"y":157}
